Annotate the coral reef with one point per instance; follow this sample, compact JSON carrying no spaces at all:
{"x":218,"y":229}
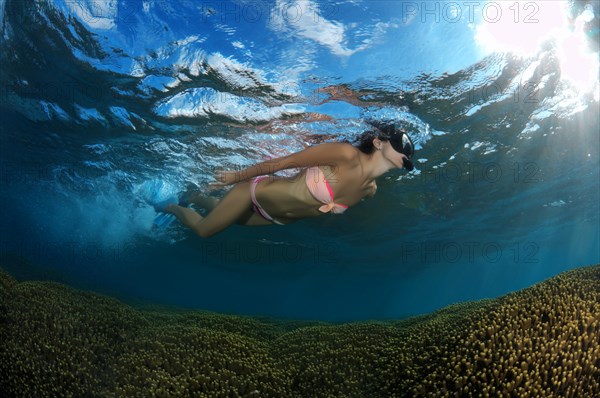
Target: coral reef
{"x":543,"y":341}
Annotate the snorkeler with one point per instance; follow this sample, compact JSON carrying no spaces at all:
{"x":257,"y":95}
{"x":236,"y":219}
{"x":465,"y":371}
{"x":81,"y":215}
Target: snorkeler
{"x":335,"y":176}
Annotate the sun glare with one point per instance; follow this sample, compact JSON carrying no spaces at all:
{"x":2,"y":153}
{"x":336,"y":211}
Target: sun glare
{"x":578,"y":64}
{"x":521,"y":27}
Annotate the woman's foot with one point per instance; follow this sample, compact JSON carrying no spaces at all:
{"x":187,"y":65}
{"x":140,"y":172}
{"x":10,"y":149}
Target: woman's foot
{"x":170,"y":207}
{"x":202,"y":201}
{"x":160,"y":207}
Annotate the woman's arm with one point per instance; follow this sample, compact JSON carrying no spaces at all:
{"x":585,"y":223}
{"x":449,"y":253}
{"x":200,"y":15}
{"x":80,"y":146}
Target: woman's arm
{"x":323,"y":154}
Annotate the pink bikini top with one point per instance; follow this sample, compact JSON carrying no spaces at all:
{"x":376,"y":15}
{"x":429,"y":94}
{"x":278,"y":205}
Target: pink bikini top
{"x":321,"y":190}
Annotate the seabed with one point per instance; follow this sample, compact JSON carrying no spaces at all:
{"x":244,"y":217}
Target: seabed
{"x":543,"y":341}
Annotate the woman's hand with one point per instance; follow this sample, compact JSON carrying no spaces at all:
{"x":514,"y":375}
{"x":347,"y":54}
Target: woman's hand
{"x":372,"y":187}
{"x":224,"y":178}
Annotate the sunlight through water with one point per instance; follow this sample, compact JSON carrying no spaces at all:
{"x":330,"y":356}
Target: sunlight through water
{"x":523,"y":27}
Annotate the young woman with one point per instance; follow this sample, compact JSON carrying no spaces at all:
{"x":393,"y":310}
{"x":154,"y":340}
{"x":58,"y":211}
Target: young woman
{"x":335,"y":176}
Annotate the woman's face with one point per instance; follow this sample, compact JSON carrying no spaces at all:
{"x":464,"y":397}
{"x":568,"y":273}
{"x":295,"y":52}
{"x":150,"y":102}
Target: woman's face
{"x":394,"y":157}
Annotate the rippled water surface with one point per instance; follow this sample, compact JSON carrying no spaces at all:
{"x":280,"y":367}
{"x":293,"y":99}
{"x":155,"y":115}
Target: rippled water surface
{"x":107,"y":106}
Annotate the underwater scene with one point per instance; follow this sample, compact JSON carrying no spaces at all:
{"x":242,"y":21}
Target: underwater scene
{"x":474,"y":272}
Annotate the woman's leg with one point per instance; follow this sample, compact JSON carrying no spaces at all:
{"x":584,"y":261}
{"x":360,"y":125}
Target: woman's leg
{"x":249,"y":219}
{"x":229,"y":210}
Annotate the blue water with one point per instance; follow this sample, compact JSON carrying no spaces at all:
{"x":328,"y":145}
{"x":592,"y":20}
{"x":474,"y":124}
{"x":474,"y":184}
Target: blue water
{"x":108,"y":106}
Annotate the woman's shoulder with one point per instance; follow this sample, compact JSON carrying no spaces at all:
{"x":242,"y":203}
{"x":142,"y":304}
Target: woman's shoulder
{"x":343,"y":150}
{"x":344,"y":156}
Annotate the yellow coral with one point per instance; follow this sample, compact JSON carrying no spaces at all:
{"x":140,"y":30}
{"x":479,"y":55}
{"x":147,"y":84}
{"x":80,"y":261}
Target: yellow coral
{"x":539,"y":342}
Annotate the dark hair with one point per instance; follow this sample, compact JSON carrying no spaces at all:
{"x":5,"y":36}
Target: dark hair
{"x":383,"y":131}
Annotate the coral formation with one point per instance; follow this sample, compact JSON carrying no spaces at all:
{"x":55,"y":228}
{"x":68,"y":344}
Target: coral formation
{"x":539,"y":342}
